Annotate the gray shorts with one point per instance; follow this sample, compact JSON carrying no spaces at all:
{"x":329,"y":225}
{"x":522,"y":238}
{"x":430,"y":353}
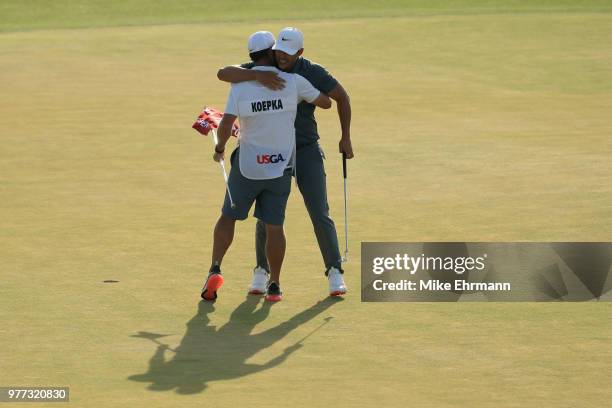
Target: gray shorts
{"x":270,"y":196}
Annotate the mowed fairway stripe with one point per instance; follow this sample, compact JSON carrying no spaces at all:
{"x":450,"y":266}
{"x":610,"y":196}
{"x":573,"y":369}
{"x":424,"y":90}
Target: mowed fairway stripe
{"x":24,"y":15}
{"x":465,"y":127}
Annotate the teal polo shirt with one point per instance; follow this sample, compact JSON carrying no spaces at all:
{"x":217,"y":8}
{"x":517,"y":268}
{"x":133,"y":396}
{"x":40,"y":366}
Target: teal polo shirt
{"x":305,"y":124}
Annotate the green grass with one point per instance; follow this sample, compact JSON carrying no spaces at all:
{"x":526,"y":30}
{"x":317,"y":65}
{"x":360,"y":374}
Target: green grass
{"x":43,"y":14}
{"x":467,"y":126}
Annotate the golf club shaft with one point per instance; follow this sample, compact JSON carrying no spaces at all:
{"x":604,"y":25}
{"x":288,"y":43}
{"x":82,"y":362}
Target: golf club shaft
{"x":345,"y":208}
{"x":229,"y":193}
{"x":313,"y":332}
{"x":222,"y":164}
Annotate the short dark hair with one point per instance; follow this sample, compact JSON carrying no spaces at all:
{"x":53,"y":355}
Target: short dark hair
{"x":257,"y":55}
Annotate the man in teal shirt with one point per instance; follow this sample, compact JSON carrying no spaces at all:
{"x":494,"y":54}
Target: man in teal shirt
{"x":310,"y":171}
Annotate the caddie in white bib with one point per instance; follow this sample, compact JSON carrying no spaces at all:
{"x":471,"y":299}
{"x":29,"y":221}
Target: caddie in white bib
{"x":267,"y":132}
{"x":266,"y":154}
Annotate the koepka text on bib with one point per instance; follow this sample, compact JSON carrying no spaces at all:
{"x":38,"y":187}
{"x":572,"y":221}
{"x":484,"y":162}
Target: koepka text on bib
{"x":265,"y":106}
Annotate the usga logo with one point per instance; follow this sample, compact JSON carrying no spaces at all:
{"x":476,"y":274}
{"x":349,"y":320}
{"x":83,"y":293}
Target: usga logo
{"x":269,"y":158}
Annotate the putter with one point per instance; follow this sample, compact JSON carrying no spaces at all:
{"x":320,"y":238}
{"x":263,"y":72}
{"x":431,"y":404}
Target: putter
{"x":222,"y":163}
{"x":345,"y":257}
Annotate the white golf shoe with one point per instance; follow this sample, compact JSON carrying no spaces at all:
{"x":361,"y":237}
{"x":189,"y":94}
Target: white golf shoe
{"x":259,"y":285}
{"x":337,"y":287}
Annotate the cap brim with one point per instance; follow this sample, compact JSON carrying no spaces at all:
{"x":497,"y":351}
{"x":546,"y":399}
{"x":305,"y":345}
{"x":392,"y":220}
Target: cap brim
{"x":284,"y":48}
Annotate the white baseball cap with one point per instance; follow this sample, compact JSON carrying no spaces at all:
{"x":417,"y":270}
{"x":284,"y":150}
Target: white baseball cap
{"x":261,"y":40}
{"x":290,"y":40}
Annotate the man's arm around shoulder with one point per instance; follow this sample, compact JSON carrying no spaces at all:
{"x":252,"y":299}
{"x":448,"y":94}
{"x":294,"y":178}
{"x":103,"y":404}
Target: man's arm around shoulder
{"x":234,"y":74}
{"x":307,"y":92}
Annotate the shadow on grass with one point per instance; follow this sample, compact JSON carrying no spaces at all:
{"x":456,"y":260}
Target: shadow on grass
{"x":207,"y":354}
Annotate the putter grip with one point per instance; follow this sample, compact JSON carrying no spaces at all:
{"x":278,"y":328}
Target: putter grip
{"x":344,"y":164}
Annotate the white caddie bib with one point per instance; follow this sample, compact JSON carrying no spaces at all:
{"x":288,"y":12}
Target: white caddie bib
{"x":267,"y":138}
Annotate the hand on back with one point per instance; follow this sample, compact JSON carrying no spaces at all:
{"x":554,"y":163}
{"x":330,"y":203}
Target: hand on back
{"x":270,"y":80}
